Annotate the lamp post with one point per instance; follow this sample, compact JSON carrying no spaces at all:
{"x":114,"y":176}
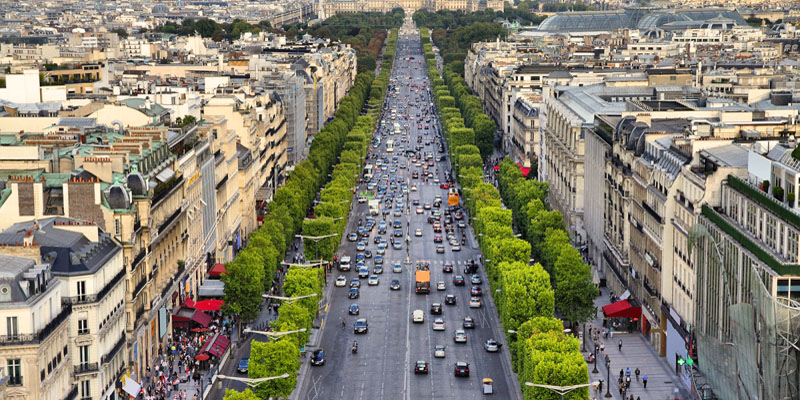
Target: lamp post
{"x":252,"y":382}
{"x":316,"y":240}
{"x":594,"y":371}
{"x":274,"y":335}
{"x":608,"y":377}
{"x":287,"y":299}
{"x":562,"y":390}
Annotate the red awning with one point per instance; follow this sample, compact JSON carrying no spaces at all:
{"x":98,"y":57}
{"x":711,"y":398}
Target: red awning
{"x":524,"y":170}
{"x":216,"y":345}
{"x":622,"y":309}
{"x":183,"y":315}
{"x":209,"y":305}
{"x":188,"y":302}
{"x":218,"y":269}
{"x":497,"y":168}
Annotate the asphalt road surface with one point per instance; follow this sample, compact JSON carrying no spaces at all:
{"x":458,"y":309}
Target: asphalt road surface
{"x":383,"y":366}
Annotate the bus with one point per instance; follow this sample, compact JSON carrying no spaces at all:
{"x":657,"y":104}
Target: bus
{"x":452,"y":197}
{"x":389,"y":146}
{"x":422,"y":278}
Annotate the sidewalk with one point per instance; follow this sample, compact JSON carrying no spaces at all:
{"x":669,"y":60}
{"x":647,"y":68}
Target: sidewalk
{"x":636,"y":353}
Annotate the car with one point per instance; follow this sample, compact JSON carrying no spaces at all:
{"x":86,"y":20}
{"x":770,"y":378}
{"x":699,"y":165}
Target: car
{"x":377,"y":239}
{"x":439,"y":351}
{"x":458,"y":280}
{"x":440,"y":249}
{"x":379,"y":260}
{"x":361,"y":326}
{"x":418,"y":316}
{"x":420,"y":210}
{"x":475,"y":279}
{"x":355,"y":283}
{"x":418,"y":232}
{"x":468,"y":323}
{"x":353,"y":310}
{"x":436,"y":308}
{"x":462,"y":369}
{"x":373,"y":280}
{"x":243,"y":364}
{"x":363,"y":272}
{"x":450,"y":299}
{"x":437,"y":238}
{"x":447,"y":268}
{"x":440,"y":285}
{"x":341,"y":281}
{"x":395,"y":285}
{"x":360,"y":257}
{"x":491,"y":346}
{"x":381,"y":249}
{"x":438,"y":324}
{"x":455,"y":247}
{"x":476,"y":291}
{"x":378,"y":269}
{"x":361,"y":246}
{"x":427,"y":206}
{"x":352,"y":237}
{"x":318,"y":358}
{"x":397,"y":245}
{"x":460,"y":336}
{"x":398,"y":233}
{"x":368,"y":253}
{"x":397,"y":268}
{"x":462,"y":225}
{"x":413,"y":188}
{"x":444,"y":186}
{"x":421,"y":367}
{"x":397,"y":212}
{"x":353,"y":294}
{"x":474,"y":302}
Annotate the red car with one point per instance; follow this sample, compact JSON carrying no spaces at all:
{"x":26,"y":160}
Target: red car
{"x":444,"y":186}
{"x":437,"y":239}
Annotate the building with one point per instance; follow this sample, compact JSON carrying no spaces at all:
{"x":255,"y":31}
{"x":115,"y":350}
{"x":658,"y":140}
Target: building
{"x":328,"y":8}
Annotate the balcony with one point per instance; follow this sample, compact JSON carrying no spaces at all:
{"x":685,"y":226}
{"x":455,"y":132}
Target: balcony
{"x":85,"y":368}
{"x":139,"y":287}
{"x":73,"y":394}
{"x":113,"y":352}
{"x":93,"y":298}
{"x":162,"y":191}
{"x":43,"y":334}
{"x":138,"y":259}
{"x":139,"y":312}
{"x":164,"y":226}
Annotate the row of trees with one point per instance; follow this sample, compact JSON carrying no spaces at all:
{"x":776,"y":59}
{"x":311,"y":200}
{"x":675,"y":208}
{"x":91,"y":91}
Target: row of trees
{"x":541,"y":352}
{"x":208,"y":28}
{"x":346,"y":138}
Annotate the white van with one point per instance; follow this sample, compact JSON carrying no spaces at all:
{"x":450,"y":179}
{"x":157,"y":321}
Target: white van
{"x":418,"y":316}
{"x":344,"y":263}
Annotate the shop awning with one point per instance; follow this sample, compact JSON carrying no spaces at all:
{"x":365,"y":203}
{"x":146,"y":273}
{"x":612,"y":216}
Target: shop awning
{"x":183,"y":315}
{"x":524,"y":170}
{"x":218,"y":269}
{"x":622,"y":309}
{"x":497,"y":168}
{"x":213,"y":288}
{"x":216,"y":345}
{"x":209,"y":305}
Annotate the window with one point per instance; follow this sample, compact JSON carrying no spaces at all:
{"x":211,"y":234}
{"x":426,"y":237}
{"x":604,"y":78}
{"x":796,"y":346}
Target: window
{"x":83,"y":352}
{"x":116,"y":227}
{"x":83,"y":326}
{"x":14,"y":372}
{"x":86,"y":389}
{"x":12,"y":328}
{"x":81,"y":290}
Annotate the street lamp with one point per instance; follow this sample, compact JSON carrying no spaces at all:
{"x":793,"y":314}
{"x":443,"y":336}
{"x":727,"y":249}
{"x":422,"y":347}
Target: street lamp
{"x":274,"y":335}
{"x":287,"y":299}
{"x":562,"y":390}
{"x":596,"y":347}
{"x":310,"y":265}
{"x":252,"y":382}
{"x":608,"y":377}
{"x":316,"y":240}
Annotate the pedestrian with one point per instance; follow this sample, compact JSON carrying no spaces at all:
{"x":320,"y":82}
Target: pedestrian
{"x":619,"y":346}
{"x":602,"y":347}
{"x":627,"y":381}
{"x":637,"y":372}
{"x":631,"y":398}
{"x":600,"y":387}
{"x":644,"y":381}
{"x":627,"y":372}
{"x":611,"y":332}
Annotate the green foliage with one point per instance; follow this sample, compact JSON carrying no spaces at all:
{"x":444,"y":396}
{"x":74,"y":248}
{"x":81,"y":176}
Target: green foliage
{"x":122,"y":33}
{"x":231,"y":394}
{"x":244,"y":284}
{"x":269,"y":359}
{"x":526,"y":294}
{"x":575,"y":291}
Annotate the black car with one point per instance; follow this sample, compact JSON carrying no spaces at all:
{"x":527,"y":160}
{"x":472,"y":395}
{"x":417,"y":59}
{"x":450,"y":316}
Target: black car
{"x":476,"y":291}
{"x":361,"y":326}
{"x":353,"y":294}
{"x":436,"y":308}
{"x":318,"y":357}
{"x":458,"y":280}
{"x":421,"y":367}
{"x":450,"y":299}
{"x":469,"y":323}
{"x":462,"y":369}
{"x":447,"y":268}
{"x":353,"y":310}
{"x":395,"y":285}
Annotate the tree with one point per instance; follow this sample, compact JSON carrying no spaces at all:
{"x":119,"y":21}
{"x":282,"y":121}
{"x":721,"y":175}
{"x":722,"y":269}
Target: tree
{"x":248,"y":394}
{"x":268,"y":359}
{"x":293,"y":316}
{"x":574,"y":289}
{"x":555,"y":240}
{"x":526,"y":293}
{"x":244,"y":284}
{"x":122,"y":33}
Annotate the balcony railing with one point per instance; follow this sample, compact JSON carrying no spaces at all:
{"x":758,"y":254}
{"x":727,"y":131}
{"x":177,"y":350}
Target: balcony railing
{"x":73,"y":394}
{"x":139,"y":287}
{"x":93,"y":298}
{"x":85,"y":368}
{"x":139,"y":312}
{"x":113,"y":352}
{"x":163,"y":191}
{"x":138,"y":259}
{"x":6,"y":340}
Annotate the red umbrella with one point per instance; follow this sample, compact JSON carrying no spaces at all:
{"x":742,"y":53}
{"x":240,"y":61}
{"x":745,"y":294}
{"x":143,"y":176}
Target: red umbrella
{"x":209,"y":305}
{"x":200,"y":330}
{"x":201,"y":357}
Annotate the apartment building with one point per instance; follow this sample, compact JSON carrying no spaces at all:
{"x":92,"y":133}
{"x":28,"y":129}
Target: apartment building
{"x":89,"y":265}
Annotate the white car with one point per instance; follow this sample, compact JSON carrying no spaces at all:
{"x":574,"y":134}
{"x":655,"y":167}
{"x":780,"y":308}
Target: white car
{"x":341,"y":281}
{"x":438,"y":324}
{"x":439,"y":351}
{"x":474,"y":302}
{"x":418,"y":232}
{"x":420,"y":210}
{"x":418,"y":316}
{"x":460,"y":336}
{"x":440,"y":285}
{"x":373,"y":280}
{"x":362,"y":199}
{"x":491,"y":346}
{"x":413,"y":188}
